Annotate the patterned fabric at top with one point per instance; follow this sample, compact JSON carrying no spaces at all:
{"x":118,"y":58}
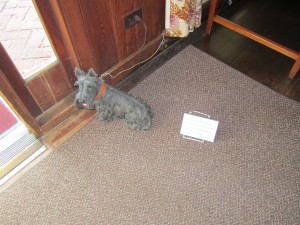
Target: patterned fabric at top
{"x":182,"y":16}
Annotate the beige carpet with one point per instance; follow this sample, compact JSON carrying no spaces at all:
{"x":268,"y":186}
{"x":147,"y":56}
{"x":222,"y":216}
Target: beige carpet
{"x":106,"y":174}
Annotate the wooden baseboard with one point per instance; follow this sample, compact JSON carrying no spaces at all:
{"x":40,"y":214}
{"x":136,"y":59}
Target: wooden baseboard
{"x":62,"y":132}
{"x":56,"y":114}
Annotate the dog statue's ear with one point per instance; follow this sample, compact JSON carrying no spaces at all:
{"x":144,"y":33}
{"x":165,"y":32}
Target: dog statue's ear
{"x":78,"y":72}
{"x":92,"y":73}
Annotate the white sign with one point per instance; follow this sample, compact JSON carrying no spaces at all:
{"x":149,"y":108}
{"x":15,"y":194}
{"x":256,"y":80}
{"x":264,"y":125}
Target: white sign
{"x":198,"y":128}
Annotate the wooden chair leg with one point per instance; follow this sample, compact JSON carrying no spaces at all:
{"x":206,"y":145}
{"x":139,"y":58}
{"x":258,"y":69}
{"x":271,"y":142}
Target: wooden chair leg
{"x":211,"y":15}
{"x":295,"y":68}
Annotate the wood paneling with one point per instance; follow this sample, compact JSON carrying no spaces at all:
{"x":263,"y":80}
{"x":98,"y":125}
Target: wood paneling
{"x":97,"y":30}
{"x":99,"y":26}
{"x":50,"y":86}
{"x":41,"y":92}
{"x":129,"y":40}
{"x":57,"y":80}
{"x":75,"y":23}
{"x":124,"y":68}
{"x":154,"y":17}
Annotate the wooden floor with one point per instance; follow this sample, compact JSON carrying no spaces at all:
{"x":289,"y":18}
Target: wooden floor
{"x":276,"y":19}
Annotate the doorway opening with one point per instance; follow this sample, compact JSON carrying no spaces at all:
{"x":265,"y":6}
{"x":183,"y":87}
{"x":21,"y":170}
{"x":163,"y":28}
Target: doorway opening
{"x":24,"y":38}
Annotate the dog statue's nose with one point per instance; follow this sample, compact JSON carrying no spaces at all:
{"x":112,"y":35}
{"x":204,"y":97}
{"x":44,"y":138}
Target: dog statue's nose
{"x":80,"y":103}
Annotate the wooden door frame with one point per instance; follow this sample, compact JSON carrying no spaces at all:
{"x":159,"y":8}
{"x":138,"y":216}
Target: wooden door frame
{"x":17,"y":104}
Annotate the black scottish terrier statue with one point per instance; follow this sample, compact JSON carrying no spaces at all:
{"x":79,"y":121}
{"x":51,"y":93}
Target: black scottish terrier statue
{"x":111,"y":103}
